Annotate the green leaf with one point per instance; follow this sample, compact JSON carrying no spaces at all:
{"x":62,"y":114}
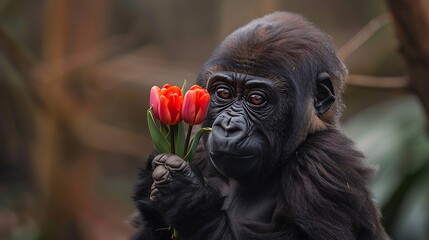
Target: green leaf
{"x":175,"y":234}
{"x":179,"y":139}
{"x":194,"y":143}
{"x":165,"y":130}
{"x":161,"y":143}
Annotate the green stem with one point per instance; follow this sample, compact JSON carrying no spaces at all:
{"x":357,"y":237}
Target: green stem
{"x":175,"y":235}
{"x":172,"y":129}
{"x":188,"y":138}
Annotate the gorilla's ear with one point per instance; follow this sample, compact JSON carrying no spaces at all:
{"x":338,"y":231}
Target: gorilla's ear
{"x":325,"y":95}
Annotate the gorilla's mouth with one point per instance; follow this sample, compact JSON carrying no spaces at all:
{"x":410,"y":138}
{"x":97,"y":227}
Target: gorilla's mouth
{"x":232,"y":164}
{"x":231,"y":156}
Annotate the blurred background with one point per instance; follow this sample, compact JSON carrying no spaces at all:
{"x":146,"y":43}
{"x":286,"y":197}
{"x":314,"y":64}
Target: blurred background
{"x":74,"y":89}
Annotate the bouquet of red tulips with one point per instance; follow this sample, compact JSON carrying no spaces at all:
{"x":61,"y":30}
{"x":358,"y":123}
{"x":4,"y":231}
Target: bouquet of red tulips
{"x":173,"y":109}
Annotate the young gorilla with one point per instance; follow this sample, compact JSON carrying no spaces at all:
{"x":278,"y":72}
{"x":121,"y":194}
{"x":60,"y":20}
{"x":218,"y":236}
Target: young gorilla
{"x":276,"y":165}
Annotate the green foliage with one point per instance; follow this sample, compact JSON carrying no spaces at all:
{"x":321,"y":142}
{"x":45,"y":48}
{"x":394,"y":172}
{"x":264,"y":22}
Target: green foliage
{"x":194,"y":143}
{"x":393,"y":137}
{"x":161,"y":143}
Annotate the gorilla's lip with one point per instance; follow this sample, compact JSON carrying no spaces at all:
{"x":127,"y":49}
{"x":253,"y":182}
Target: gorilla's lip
{"x":225,"y":154}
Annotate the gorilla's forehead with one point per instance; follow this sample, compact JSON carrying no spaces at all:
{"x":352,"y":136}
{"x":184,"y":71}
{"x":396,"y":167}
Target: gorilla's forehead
{"x":280,"y":45}
{"x":241,"y":78}
{"x":279,"y":77}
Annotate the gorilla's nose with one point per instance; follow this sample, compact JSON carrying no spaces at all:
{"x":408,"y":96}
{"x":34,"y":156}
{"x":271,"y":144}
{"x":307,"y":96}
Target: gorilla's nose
{"x":233,"y":126}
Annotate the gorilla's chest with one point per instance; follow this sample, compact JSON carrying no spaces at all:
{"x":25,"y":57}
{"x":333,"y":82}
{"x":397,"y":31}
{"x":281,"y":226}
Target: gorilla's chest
{"x":254,"y":206}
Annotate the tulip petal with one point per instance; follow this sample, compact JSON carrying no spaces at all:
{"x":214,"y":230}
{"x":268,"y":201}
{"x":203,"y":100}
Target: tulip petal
{"x":155,"y":92}
{"x":189,"y":108}
{"x":174,"y":107}
{"x":164,"y":114}
{"x":202,"y":111}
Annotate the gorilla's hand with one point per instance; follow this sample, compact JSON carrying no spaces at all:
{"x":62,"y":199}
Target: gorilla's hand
{"x":173,"y":179}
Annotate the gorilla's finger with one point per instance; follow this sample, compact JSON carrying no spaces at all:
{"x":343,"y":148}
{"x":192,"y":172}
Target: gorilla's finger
{"x":175,"y":164}
{"x":161,"y":174}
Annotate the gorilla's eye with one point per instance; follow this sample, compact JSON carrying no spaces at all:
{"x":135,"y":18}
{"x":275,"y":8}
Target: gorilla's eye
{"x":223,"y":93}
{"x":256,"y":99}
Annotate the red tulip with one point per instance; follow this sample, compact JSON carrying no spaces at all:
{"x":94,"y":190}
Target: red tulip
{"x":170,"y":104}
{"x":195,"y":104}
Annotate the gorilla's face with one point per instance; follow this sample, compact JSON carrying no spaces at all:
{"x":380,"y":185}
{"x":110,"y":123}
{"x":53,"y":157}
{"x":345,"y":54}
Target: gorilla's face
{"x":241,"y":141}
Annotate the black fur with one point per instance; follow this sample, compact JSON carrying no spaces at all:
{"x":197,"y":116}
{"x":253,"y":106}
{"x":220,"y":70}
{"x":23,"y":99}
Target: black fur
{"x":309,"y":181}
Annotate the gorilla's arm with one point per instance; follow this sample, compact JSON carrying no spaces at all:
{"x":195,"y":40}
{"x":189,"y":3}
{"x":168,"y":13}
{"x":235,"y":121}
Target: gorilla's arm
{"x":148,"y":220}
{"x":194,"y":206}
{"x":325,"y":189}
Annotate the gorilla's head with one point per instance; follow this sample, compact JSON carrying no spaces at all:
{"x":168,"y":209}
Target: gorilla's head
{"x":272,"y":83}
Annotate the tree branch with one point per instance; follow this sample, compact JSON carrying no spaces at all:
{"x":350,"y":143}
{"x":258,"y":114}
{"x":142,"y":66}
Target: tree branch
{"x":411,"y":19}
{"x":387,"y":83}
{"x":363,"y":35}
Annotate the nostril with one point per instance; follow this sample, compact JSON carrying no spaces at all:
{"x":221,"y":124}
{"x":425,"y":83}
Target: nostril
{"x":231,"y":130}
{"x":232,"y":127}
{"x":225,"y":123}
